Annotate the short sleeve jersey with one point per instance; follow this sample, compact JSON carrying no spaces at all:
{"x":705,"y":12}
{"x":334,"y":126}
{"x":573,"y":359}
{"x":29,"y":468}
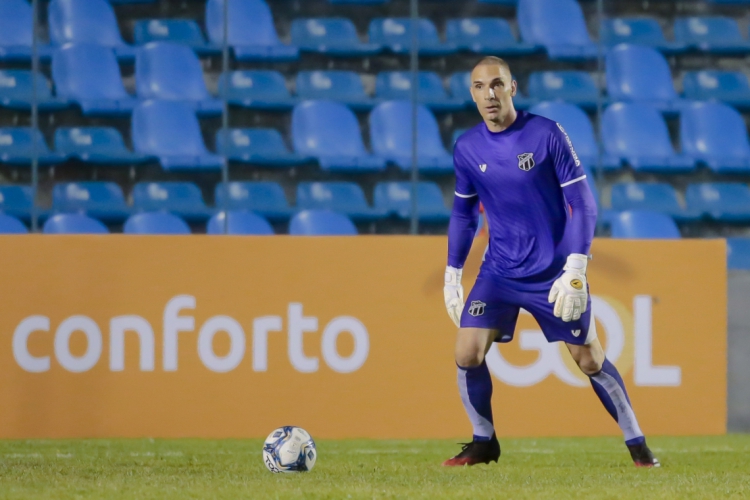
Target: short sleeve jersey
{"x":518,"y":175}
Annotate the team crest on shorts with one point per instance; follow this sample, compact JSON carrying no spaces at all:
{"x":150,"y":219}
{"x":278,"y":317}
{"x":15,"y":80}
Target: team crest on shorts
{"x":476,"y":308}
{"x":526,"y":161}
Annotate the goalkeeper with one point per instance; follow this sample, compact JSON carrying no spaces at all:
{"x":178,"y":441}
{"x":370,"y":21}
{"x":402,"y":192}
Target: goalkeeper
{"x":541,"y":217}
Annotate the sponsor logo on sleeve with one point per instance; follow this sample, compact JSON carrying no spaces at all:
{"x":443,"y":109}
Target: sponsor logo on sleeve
{"x":570,"y":145}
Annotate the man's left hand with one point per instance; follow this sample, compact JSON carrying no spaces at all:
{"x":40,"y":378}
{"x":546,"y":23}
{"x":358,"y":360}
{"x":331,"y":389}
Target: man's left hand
{"x":569,"y":292}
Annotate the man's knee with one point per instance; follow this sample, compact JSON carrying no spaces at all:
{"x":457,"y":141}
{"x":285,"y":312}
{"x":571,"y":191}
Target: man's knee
{"x":471,"y":346}
{"x":589,"y":365}
{"x":469,"y":356}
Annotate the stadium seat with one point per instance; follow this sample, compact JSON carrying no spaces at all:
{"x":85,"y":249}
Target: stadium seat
{"x":17,"y":91}
{"x":460,"y":84}
{"x":11,"y":225}
{"x":86,"y":21}
{"x":155,"y":223}
{"x":89,"y":75}
{"x":395,"y":199}
{"x":730,"y":87}
{"x":636,"y":133}
{"x":343,"y":197}
{"x":260,"y":146}
{"x":170,"y":131}
{"x":559,"y":26}
{"x":341,"y":86}
{"x":183,"y":199}
{"x":643,"y":224}
{"x":321,"y":223}
{"x":173,"y":72}
{"x":101,"y":200}
{"x":16,"y":25}
{"x":578,"y":127}
{"x":487,"y":35}
{"x":395,"y":85}
{"x":261,"y":43}
{"x":73,"y":224}
{"x":391,"y":138}
{"x":329,"y":131}
{"x":715,"y":35}
{"x":738,"y":253}
{"x":574,"y":87}
{"x":654,"y":196}
{"x":16,"y":200}
{"x":641,"y":74}
{"x":715,"y":134}
{"x":257,"y":89}
{"x":332,"y":36}
{"x":180,"y":31}
{"x":638,"y":31}
{"x":97,"y":145}
{"x":264,"y":198}
{"x":722,"y":201}
{"x":238,"y":222}
{"x":394,"y":33}
{"x":17,"y":147}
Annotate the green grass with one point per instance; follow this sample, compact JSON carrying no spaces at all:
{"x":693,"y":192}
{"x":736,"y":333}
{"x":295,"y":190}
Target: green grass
{"x":704,"y":467}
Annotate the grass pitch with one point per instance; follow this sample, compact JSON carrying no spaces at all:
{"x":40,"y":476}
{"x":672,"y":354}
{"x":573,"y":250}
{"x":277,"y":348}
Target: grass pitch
{"x":707,"y":467}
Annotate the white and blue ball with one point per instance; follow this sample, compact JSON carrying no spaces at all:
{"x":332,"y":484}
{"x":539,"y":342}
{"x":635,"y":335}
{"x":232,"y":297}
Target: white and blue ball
{"x":289,"y":449}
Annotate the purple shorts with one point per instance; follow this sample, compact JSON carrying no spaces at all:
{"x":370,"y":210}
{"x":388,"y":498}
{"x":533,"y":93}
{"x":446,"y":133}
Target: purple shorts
{"x":495,"y":303}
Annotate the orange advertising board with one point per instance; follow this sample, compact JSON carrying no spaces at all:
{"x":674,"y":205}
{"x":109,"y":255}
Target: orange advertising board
{"x":196,"y":336}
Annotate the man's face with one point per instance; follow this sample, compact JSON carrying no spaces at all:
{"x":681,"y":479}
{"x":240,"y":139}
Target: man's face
{"x":492,"y":89}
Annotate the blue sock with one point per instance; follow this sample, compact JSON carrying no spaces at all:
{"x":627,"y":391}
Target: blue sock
{"x":610,"y":388}
{"x":475,"y":386}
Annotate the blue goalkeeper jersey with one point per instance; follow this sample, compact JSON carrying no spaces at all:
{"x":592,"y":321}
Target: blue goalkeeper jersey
{"x":518,"y":175}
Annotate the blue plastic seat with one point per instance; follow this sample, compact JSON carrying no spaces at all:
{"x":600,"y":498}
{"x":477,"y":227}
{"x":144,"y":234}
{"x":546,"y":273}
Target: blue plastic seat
{"x":155,"y":223}
{"x":730,"y":87}
{"x":17,"y":143}
{"x":738,"y":253}
{"x":97,"y":145}
{"x":180,"y":198}
{"x":170,"y":131}
{"x":637,"y":134}
{"x":641,"y":74}
{"x":16,"y":25}
{"x":17,"y":201}
{"x":394,"y":33}
{"x":180,"y":31}
{"x":17,"y":91}
{"x":101,"y":200}
{"x":575,"y":87}
{"x":460,"y":83}
{"x":341,"y":86}
{"x":343,"y":197}
{"x":487,"y":35}
{"x":333,"y":36}
{"x":638,"y":31}
{"x":260,"y":146}
{"x":395,"y":199}
{"x":644,"y":224}
{"x":578,"y":127}
{"x":715,"y":134}
{"x":654,"y":196}
{"x":73,"y":224}
{"x":722,"y":201}
{"x":559,"y":26}
{"x":11,"y":225}
{"x":257,"y":89}
{"x":321,"y":223}
{"x":396,"y":85}
{"x":456,"y":134}
{"x":716,"y":35}
{"x":89,"y":75}
{"x":265,"y":198}
{"x":329,"y":131}
{"x":86,"y":21}
{"x":238,"y":222}
{"x":261,"y":43}
{"x":173,"y":72}
{"x":391,"y":138}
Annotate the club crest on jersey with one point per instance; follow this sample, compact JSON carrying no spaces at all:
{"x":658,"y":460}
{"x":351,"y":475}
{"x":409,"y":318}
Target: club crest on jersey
{"x":526,"y":161}
{"x":476,"y":308}
{"x":483,"y":167}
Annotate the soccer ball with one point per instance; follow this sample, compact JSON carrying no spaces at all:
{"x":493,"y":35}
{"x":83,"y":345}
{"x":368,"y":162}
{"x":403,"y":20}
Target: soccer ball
{"x":289,"y":449}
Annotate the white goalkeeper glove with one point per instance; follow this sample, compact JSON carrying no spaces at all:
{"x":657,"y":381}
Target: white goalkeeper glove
{"x":569,"y":291}
{"x":453,"y":293}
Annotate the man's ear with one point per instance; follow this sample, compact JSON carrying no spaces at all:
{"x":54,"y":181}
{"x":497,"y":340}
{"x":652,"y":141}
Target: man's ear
{"x":513,"y":88}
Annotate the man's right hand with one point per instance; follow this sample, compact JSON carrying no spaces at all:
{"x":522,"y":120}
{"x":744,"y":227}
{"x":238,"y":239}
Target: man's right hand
{"x":453,"y":293}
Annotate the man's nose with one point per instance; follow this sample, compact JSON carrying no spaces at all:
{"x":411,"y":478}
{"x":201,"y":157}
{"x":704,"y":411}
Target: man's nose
{"x":490,"y":93}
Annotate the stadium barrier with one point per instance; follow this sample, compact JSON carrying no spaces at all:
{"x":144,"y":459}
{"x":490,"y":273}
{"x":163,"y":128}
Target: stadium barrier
{"x":216,"y":337}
